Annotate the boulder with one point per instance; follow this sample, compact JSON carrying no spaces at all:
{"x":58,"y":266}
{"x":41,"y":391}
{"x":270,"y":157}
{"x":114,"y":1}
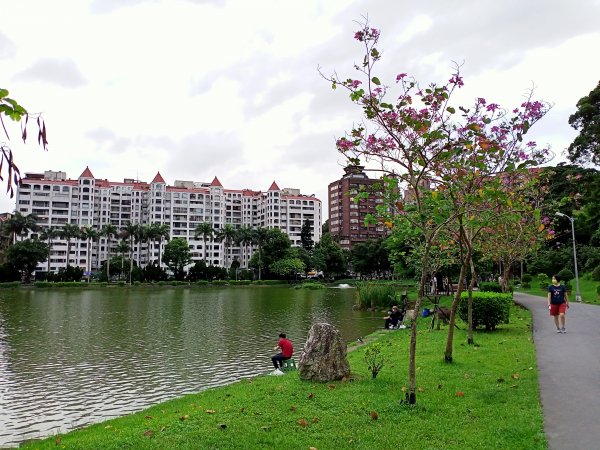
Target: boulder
{"x":324,"y":355}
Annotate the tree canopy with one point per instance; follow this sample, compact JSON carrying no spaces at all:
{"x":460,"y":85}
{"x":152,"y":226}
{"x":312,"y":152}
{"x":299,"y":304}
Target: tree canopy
{"x":585,"y":148}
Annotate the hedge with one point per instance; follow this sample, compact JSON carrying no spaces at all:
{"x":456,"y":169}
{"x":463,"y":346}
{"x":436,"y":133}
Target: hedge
{"x":489,"y":308}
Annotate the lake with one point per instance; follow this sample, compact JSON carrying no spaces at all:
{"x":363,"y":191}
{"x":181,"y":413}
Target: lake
{"x":69,"y":358}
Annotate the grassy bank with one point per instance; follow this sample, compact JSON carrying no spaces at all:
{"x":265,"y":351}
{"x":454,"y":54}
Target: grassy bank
{"x":487,"y":399}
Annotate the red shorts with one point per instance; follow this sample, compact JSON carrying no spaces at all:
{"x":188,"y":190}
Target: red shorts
{"x":555,"y":310}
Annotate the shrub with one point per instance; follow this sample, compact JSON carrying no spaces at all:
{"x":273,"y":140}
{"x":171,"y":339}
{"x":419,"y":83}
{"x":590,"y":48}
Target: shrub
{"x":220,"y":282}
{"x":596,"y":274}
{"x":201,"y":283}
{"x":566,"y":275}
{"x":374,"y":358}
{"x":526,"y":278}
{"x":10,"y":285}
{"x":543,"y":280}
{"x":489,"y":309}
{"x":598,"y":290}
{"x":568,"y":286}
{"x":43,"y":284}
{"x":270,"y":282}
{"x":310,"y":285}
{"x":526,"y":285}
{"x":485,"y":286}
{"x":240,"y":282}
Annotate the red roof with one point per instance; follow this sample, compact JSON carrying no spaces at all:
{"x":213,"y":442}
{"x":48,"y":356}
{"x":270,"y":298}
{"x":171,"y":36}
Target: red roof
{"x":216,"y":183}
{"x":274,"y":187}
{"x":87,"y":173}
{"x":158,"y":178}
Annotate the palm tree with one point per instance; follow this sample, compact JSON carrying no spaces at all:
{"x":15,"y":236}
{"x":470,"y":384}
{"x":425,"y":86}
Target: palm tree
{"x":260,"y":236}
{"x":108,"y":230}
{"x":89,"y":234}
{"x":123,"y":248}
{"x":244,"y":237}
{"x":131,"y":231}
{"x":68,"y":232}
{"x":226,"y":235}
{"x":147,"y":236}
{"x":206,"y":230}
{"x":20,"y":225}
{"x":160,"y":231}
{"x":49,"y":234}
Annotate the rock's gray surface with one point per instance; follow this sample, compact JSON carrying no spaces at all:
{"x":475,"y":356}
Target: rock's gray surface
{"x":324,"y":355}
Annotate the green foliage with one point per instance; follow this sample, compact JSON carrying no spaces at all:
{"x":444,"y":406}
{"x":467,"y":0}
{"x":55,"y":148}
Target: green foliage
{"x":287,"y":267}
{"x":374,"y":359}
{"x":25,"y":255}
{"x":598,"y":290}
{"x":269,"y":282}
{"x":220,"y":282}
{"x":240,"y":282}
{"x":586,"y":146}
{"x":306,"y":234}
{"x":489,"y":309}
{"x":309,"y":285}
{"x":177,"y":255}
{"x":486,"y":286}
{"x":596,"y":274}
{"x":526,"y":278}
{"x":566,"y":275}
{"x":370,"y":258}
{"x":371,"y":294}
{"x":10,"y":285}
{"x":543,"y":280}
{"x":329,"y":257}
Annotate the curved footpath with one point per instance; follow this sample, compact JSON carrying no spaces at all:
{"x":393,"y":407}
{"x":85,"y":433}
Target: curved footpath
{"x":569,"y":373}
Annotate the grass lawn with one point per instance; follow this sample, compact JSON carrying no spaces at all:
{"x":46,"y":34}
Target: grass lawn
{"x":587,"y":288}
{"x":487,"y":399}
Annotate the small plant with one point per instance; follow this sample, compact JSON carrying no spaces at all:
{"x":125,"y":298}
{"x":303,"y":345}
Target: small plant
{"x":543,"y":280}
{"x":489,"y":309}
{"x":490,"y":287}
{"x":598,"y":290}
{"x":526,"y":278}
{"x":596,"y":274}
{"x":374,"y":358}
{"x":566,"y":275}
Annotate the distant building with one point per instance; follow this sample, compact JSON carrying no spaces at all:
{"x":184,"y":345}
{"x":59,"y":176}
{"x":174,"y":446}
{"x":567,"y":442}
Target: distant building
{"x":346,"y":217}
{"x":89,"y":201}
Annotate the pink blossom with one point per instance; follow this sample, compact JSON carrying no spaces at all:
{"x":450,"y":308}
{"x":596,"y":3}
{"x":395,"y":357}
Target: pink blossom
{"x":344,"y":144}
{"x":545,"y":220}
{"x":457,"y":80}
{"x":359,"y":36}
{"x":492,"y":107}
{"x":355,"y":83}
{"x":531,"y":144}
{"x":480,"y":101}
{"x":400,"y":76}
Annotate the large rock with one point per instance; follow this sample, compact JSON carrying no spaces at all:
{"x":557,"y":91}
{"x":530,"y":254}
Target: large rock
{"x":324,"y":355}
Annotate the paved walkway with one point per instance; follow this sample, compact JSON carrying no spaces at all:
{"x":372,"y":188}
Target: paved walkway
{"x":569,"y":373}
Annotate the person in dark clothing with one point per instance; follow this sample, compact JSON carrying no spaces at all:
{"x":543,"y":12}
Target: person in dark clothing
{"x":558,"y":302}
{"x":393,"y":318}
{"x":286,"y":350}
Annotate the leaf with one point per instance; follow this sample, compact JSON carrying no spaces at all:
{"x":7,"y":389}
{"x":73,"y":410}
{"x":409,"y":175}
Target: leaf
{"x":376,"y":81}
{"x":147,"y":417}
{"x":149,"y":433}
{"x":182,"y":418}
{"x":303,"y":423}
{"x":293,"y":408}
{"x":315,"y":420}
{"x":515,"y":376}
{"x":331,"y":386}
{"x":210,"y":411}
{"x":421,"y":389}
{"x":311,"y":396}
{"x":374,"y":415}
{"x":450,"y":109}
{"x":3,"y":93}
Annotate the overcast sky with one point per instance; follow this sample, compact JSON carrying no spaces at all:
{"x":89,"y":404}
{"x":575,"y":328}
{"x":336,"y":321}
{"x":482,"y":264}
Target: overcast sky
{"x":205,"y":88}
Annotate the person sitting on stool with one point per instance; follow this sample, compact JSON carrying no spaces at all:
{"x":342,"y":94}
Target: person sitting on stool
{"x":286,"y":350}
{"x":394,"y":316}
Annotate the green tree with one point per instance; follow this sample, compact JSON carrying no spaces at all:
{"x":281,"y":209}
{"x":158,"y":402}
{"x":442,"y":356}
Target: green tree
{"x":244,"y":237}
{"x":274,"y":245}
{"x":370,"y":257}
{"x":25,"y":255}
{"x":227,"y":236}
{"x":69,"y":232}
{"x":206,"y":231}
{"x":48,"y":235}
{"x":177,"y":256}
{"x":287,"y":267}
{"x":306,"y":234}
{"x":123,"y":248}
{"x":160,"y":232}
{"x":131,"y":232}
{"x":259,"y":237}
{"x":89,"y":234}
{"x":329,"y":257}
{"x":586,"y":146}
{"x":19,"y":225}
{"x":10,"y":109}
{"x":109,"y":231}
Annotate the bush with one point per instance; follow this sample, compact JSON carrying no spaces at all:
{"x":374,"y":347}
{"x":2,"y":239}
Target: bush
{"x":43,"y":284}
{"x":10,"y":285}
{"x":566,"y":275}
{"x":485,"y":286}
{"x":596,"y":274}
{"x":269,"y":282}
{"x":309,"y":285}
{"x":220,"y":282}
{"x":201,"y":283}
{"x":526,"y":285}
{"x":543,"y":280}
{"x":240,"y":282}
{"x":489,"y":309}
{"x":374,"y":358}
{"x":598,"y":290}
{"x":526,"y":278}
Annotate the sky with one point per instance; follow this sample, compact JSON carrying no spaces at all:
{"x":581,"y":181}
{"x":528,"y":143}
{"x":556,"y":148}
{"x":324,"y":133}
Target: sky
{"x":233,"y":88}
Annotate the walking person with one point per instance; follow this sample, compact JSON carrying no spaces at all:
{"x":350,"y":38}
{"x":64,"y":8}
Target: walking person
{"x":558,"y":302}
{"x":286,"y":350}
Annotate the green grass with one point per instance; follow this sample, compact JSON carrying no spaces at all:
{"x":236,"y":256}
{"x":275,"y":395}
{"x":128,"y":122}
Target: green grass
{"x":487,"y":399}
{"x":587,"y":288}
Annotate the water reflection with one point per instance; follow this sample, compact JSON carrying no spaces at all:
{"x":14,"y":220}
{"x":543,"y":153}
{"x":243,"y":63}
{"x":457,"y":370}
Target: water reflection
{"x":71,"y":358}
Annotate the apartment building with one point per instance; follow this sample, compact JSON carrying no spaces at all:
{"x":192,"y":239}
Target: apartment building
{"x":347,"y":217}
{"x":93,"y":202}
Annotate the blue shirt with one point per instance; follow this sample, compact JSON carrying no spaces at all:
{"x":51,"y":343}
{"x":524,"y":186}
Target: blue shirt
{"x":557,"y":294}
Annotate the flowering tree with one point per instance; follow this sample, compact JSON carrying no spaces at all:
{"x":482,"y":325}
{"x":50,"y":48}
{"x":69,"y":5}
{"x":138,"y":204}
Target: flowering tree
{"x":10,"y":109}
{"x":423,"y":145}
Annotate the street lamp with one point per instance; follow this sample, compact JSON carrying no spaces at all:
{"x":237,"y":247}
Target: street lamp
{"x":577,"y":293}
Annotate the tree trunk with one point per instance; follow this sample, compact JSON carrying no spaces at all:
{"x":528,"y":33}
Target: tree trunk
{"x":505,"y":274}
{"x":453,"y":308}
{"x":470,"y":340}
{"x":411,"y":395}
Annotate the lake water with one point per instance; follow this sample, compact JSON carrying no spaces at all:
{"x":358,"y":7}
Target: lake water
{"x":71,"y":358}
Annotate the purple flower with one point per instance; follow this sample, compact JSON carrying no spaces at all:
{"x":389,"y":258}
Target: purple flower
{"x":359,"y":36}
{"x":492,"y":107}
{"x":400,"y":76}
{"x":355,"y":83}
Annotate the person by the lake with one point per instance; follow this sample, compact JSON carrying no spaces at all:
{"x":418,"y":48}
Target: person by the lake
{"x":394,"y":316}
{"x":285,"y":350}
{"x":558,"y":302}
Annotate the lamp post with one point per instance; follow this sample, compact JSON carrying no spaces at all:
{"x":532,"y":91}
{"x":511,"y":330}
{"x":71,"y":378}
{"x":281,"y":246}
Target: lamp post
{"x":577,"y":293}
